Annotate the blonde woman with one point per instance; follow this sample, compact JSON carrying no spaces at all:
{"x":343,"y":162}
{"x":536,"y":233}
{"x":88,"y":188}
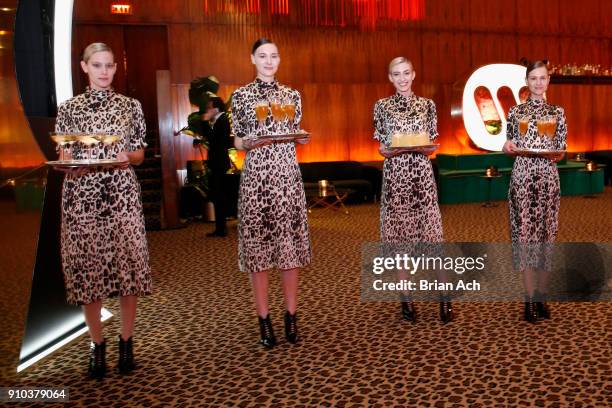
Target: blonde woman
{"x":103,"y":243}
{"x":409,"y":211}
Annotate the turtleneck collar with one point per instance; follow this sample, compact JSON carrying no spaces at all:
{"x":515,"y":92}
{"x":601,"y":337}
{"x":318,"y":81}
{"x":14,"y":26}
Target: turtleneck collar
{"x":408,"y":98}
{"x":536,"y":102}
{"x":266,"y":85}
{"x":99,"y":93}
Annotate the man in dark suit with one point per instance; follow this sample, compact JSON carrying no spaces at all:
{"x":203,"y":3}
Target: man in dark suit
{"x":217,"y":133}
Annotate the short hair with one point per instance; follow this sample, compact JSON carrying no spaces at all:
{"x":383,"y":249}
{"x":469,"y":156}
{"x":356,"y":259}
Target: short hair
{"x":259,"y":43}
{"x":399,"y":60}
{"x":218,"y":103}
{"x":92,"y":48}
{"x":535,"y":65}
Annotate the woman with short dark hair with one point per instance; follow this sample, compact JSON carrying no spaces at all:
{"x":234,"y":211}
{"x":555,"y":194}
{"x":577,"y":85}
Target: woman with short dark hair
{"x":534,"y":194}
{"x":273,"y":224}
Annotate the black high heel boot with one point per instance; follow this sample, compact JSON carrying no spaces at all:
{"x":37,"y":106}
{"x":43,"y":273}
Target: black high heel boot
{"x":126,"y":356}
{"x":409,"y":312}
{"x":542,"y":308}
{"x":267,"y":334}
{"x":531,"y":313}
{"x":291,"y":333}
{"x":97,"y":360}
{"x":446,"y":310}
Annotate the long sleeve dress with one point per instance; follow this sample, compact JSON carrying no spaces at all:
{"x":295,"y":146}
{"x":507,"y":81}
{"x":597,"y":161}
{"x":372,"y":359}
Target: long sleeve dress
{"x":409,"y":210}
{"x":103,"y":242}
{"x":534,"y":194}
{"x":272,"y":217}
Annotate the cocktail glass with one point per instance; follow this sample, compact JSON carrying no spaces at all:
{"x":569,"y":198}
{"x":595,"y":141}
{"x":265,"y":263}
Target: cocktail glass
{"x":88,"y":140}
{"x":523,"y":125}
{"x":551,"y":127}
{"x":288,"y":108}
{"x":261,"y":112}
{"x":277,"y":112}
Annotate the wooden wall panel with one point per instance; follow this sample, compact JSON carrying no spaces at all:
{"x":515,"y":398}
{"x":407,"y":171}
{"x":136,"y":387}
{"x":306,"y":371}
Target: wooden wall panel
{"x":442,"y":14}
{"x":325,"y":116}
{"x":493,"y":48}
{"x":431,"y":57}
{"x":323,"y":71}
{"x":605,"y":50}
{"x":181,"y":49}
{"x":538,"y":48}
{"x":144,"y":11}
{"x":406,"y":44}
{"x":491,"y":16}
{"x":143,"y":60}
{"x":341,"y":72}
{"x":598,"y":51}
{"x":580,"y":18}
{"x":360,"y":136}
{"x":599,"y":119}
{"x":583,"y":50}
{"x":605,"y":11}
{"x":93,"y":10}
{"x":195,"y":9}
{"x":455,"y":57}
{"x":536,"y":18}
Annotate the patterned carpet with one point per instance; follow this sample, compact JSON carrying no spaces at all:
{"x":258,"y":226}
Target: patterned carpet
{"x":196,"y":340}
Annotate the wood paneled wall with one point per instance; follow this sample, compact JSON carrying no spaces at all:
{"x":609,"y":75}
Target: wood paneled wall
{"x":342,"y":72}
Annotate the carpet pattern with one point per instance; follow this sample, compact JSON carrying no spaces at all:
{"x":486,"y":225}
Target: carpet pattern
{"x":196,"y":341}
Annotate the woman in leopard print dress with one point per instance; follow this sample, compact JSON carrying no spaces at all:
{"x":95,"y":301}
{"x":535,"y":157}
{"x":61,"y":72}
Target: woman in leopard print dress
{"x":409,"y":211}
{"x":103,"y":243}
{"x":273,"y":223}
{"x":534,"y":194}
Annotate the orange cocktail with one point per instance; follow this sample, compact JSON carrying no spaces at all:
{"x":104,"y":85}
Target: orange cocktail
{"x":277,"y":111}
{"x":289,"y":110}
{"x":523,"y":126}
{"x":261,"y":111}
{"x":551,"y":128}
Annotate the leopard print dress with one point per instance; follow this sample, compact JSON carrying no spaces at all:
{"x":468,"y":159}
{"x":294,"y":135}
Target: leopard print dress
{"x":534,"y":194}
{"x":273,"y":222}
{"x":103,"y":242}
{"x":409,"y":210}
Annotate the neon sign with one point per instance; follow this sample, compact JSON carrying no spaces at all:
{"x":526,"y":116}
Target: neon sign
{"x":121,"y":9}
{"x":487,"y":96}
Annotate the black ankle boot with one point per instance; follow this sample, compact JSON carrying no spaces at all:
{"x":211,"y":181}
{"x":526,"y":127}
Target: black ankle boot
{"x":541,"y":306}
{"x":446,"y":310}
{"x":408,"y":312}
{"x":97,"y":360}
{"x":531,"y":313}
{"x":267,"y":334}
{"x":291,"y":333}
{"x":126,"y":356}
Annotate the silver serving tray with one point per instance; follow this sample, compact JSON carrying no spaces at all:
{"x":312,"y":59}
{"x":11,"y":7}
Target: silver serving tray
{"x":75,"y":164}
{"x":410,"y":148}
{"x":538,"y":152}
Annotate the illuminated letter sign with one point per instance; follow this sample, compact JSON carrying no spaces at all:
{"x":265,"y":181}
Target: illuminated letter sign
{"x":488,"y":94}
{"x":121,"y":9}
